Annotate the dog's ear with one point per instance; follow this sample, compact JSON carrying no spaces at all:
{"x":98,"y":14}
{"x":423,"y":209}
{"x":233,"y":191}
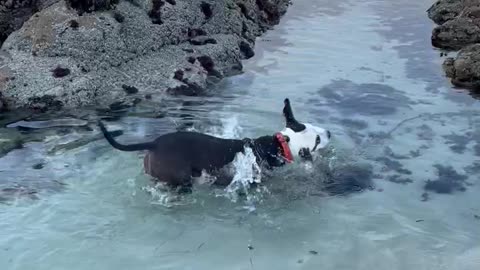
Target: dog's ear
{"x":290,"y":120}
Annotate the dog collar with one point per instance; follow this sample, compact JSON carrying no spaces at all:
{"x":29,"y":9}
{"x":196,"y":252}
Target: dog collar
{"x":286,"y":153}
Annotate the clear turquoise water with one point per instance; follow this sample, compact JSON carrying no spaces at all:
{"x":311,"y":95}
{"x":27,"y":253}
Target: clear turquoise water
{"x":363,"y":69}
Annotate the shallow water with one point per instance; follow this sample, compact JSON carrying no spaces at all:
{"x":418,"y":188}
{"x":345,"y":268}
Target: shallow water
{"x":367,"y":72}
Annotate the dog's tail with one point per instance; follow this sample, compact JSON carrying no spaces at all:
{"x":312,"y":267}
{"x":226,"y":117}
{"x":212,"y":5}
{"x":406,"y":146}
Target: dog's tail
{"x":123,"y":147}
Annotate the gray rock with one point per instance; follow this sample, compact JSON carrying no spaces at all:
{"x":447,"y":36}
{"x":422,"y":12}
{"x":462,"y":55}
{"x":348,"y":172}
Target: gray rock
{"x":457,"y":33}
{"x":464,"y":70}
{"x":96,"y":54}
{"x":445,"y":10}
{"x":459,"y":23}
{"x":13,"y":13}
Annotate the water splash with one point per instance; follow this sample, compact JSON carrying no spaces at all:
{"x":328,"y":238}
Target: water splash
{"x":162,"y":196}
{"x":229,"y":129}
{"x":247,"y":172}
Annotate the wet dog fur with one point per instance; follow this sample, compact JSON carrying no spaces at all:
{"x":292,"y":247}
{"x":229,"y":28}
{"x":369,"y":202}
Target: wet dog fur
{"x":178,"y":157}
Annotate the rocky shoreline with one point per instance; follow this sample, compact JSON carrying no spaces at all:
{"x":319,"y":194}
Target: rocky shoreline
{"x":458,"y":29}
{"x":115,"y":53}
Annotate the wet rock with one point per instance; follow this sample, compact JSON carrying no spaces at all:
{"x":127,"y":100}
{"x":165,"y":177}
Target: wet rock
{"x":457,"y":33}
{"x":13,"y":13}
{"x":459,"y":29}
{"x":44,"y":103}
{"x":445,"y":10}
{"x":448,"y":67}
{"x":246,"y":50}
{"x":448,"y":181}
{"x":191,"y":83}
{"x":144,"y":50}
{"x":459,"y":22}
{"x":270,"y":11}
{"x":464,"y":70}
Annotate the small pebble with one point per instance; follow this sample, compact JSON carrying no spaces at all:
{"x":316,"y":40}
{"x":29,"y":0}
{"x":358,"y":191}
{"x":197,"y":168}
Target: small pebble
{"x":419,"y":220}
{"x":250,"y":247}
{"x":313,"y":252}
{"x":476,"y":216}
{"x":300,"y":261}
{"x":380,"y":190}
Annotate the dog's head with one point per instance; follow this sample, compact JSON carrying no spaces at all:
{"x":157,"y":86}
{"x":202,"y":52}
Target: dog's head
{"x":305,"y":140}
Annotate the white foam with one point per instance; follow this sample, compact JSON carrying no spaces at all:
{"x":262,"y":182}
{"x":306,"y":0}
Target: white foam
{"x":247,"y":172}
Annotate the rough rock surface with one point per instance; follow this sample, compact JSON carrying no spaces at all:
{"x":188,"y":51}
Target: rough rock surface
{"x":13,"y":13}
{"x":459,"y":29}
{"x":62,"y":59}
{"x":456,"y":33}
{"x":445,"y":10}
{"x":464,"y":70}
{"x":459,"y":23}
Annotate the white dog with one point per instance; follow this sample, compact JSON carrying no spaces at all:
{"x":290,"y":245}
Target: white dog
{"x":304,"y":140}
